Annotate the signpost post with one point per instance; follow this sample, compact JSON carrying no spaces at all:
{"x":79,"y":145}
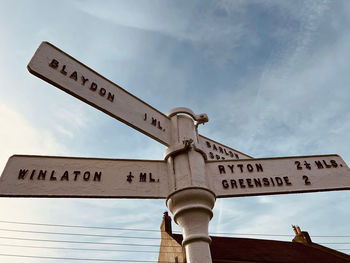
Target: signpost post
{"x":195,"y":171}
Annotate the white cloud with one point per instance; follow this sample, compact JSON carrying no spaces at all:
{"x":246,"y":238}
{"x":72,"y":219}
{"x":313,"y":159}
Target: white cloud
{"x":18,"y":136}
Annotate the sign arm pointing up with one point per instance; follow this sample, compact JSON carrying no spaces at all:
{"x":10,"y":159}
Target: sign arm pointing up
{"x":63,"y":71}
{"x":68,"y":74}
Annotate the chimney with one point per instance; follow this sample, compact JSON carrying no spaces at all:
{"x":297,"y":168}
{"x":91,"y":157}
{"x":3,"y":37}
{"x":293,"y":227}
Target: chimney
{"x":301,"y":236}
{"x":166,"y":223}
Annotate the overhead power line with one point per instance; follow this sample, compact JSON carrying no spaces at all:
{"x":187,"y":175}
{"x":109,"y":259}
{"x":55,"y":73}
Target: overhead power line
{"x":85,"y":259}
{"x":76,"y":234}
{"x":79,"y":226}
{"x":153,"y":230}
{"x":335,"y":243}
{"x":88,"y":249}
{"x":84,"y":242}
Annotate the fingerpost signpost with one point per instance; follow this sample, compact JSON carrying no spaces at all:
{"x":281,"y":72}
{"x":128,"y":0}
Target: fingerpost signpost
{"x":195,"y":171}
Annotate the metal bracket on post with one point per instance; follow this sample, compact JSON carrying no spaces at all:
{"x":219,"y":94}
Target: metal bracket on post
{"x":187,"y":143}
{"x":200,"y":118}
{"x":185,"y":146}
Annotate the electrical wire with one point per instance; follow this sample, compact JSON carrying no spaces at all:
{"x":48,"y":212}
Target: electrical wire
{"x":153,"y":230}
{"x":83,"y":242}
{"x":89,"y":249}
{"x":334,"y":243}
{"x":76,"y":234}
{"x":85,"y":259}
{"x":80,"y":226}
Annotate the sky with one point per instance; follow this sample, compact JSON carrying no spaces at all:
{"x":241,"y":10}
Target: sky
{"x":273,"y":77}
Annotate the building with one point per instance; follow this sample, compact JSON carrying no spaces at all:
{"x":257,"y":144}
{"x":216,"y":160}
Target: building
{"x":248,"y":250}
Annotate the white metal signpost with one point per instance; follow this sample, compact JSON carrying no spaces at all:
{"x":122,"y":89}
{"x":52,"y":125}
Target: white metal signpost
{"x":195,"y":171}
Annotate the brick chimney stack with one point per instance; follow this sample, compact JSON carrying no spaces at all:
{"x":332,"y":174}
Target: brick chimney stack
{"x":166,"y":224}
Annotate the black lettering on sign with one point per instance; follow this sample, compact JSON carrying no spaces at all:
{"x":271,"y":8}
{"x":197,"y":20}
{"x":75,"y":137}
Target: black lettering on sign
{"x":110,"y":97}
{"x":83,"y":80}
{"x":221,"y":169}
{"x":97,"y":176}
{"x":225,"y":184}
{"x":319,"y":164}
{"x":54,"y":64}
{"x":129,"y":177}
{"x":76,"y":173}
{"x":326,"y":164}
{"x":233,"y":183}
{"x":259,"y":167}
{"x":241,"y":183}
{"x":306,"y":180}
{"x":307,"y":165}
{"x":257,"y":182}
{"x":42,"y":175}
{"x":334,"y":164}
{"x":231,"y":167}
{"x":32,"y":175}
{"x":22,"y":173}
{"x":63,"y":70}
{"x":93,"y":86}
{"x":52,"y":177}
{"x":286,"y":180}
{"x":86,"y":176}
{"x":250,"y":168}
{"x":266,"y":182}
{"x":151,"y":179}
{"x":143,"y":177}
{"x":154,"y":122}
{"x":65,"y":176}
{"x":159,"y":127}
{"x":249,"y":182}
{"x":220,"y":151}
{"x":102,"y":92}
{"x":297,"y":163}
{"x":279,"y":181}
{"x":244,"y":183}
{"x":74,"y":75}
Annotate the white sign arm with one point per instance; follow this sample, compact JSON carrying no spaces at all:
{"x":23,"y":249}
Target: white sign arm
{"x":278,"y":175}
{"x":45,"y":176}
{"x":218,"y":151}
{"x":68,"y":74}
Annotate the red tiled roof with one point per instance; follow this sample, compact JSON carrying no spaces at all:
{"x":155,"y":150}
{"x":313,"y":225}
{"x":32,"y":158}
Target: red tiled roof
{"x":271,"y":251}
